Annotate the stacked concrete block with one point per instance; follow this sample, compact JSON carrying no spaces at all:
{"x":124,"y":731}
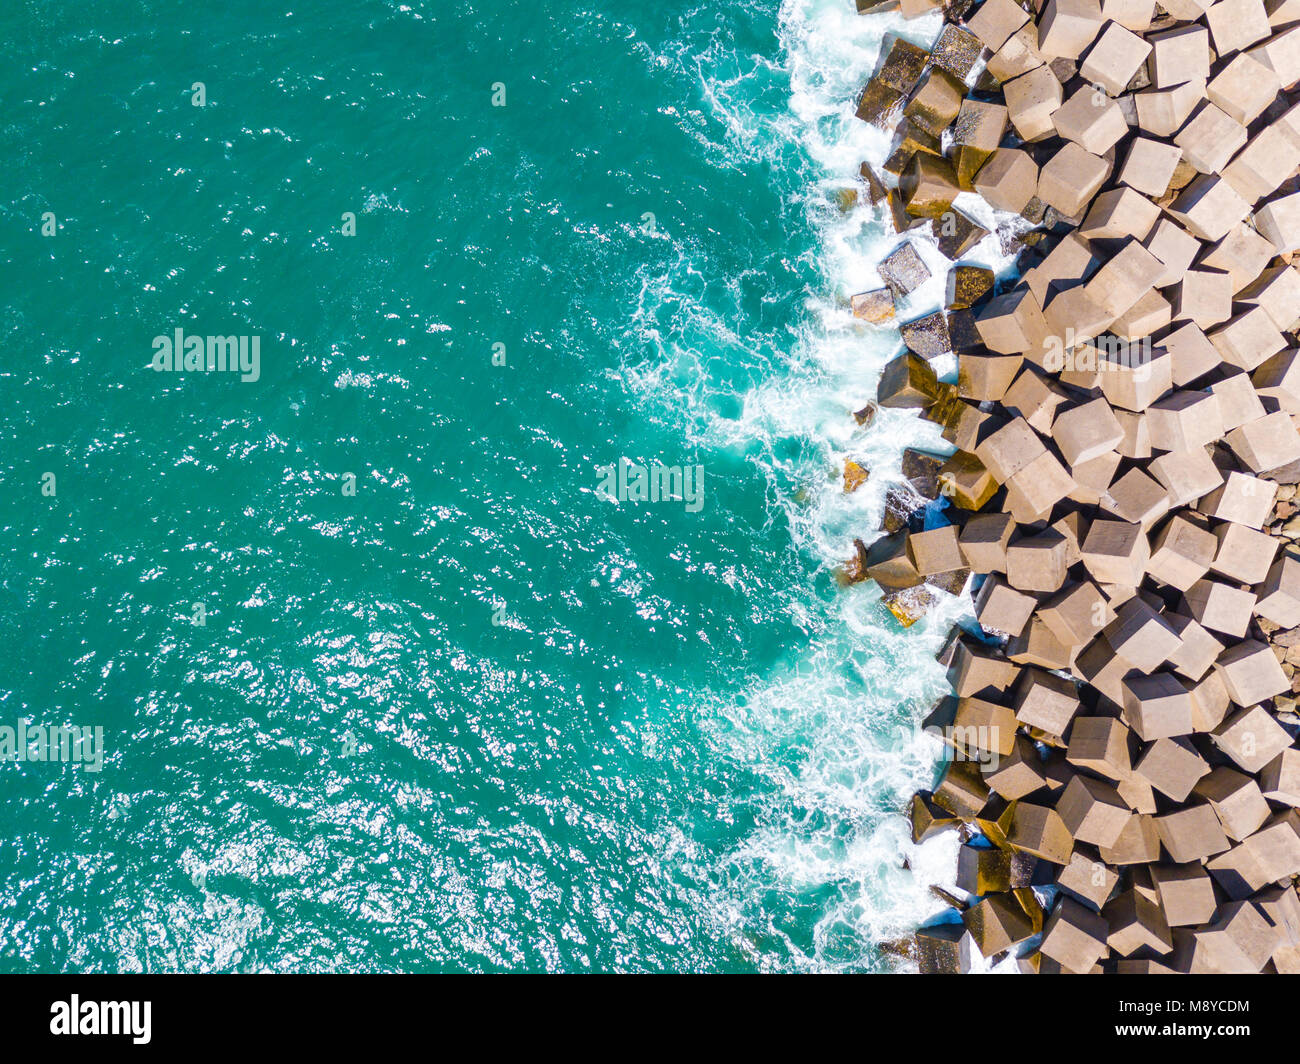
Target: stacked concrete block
{"x":1125,"y":489}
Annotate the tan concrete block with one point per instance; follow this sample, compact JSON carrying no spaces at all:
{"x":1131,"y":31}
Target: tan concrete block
{"x":1136,"y":497}
{"x":1173,"y":247}
{"x":1012,"y":323}
{"x":1116,"y":552}
{"x":1277,"y":290}
{"x":1018,"y":55}
{"x":935,"y":551}
{"x":1114,"y":59}
{"x":1008,"y":180}
{"x":983,"y":542}
{"x":1186,"y":893}
{"x":1158,"y":706}
{"x":1181,"y":553}
{"x":1071,"y":178}
{"x":1067,"y":27}
{"x":1191,"y":833}
{"x":1161,"y":112}
{"x":1220,"y":607}
{"x":1239,"y":403}
{"x":1149,"y":166}
{"x":1037,"y":563}
{"x":1179,"y":55}
{"x":1266,"y":161}
{"x":935,"y":100}
{"x":1197,"y":654}
{"x":1251,"y":737}
{"x":1184,"y":421}
{"x":1074,"y":936}
{"x":1279,"y":595}
{"x":996,"y":20}
{"x":1236,"y":800}
{"x":1278,"y":221}
{"x":1120,"y":213}
{"x":1076,"y":614}
{"x":1172,"y":766}
{"x":1269,"y":443}
{"x":1031,"y":99}
{"x":1092,"y":120}
{"x":1242,"y":254}
{"x":1123,"y":280}
{"x":1210,"y":138}
{"x":1237,"y":24}
{"x":1203,"y":297}
{"x":1251,"y":673}
{"x":1280,"y":778}
{"x":1093,"y":811}
{"x":1244,"y":555}
{"x":1042,"y":700}
{"x":1086,"y":431}
{"x":1243,"y":499}
{"x":1209,"y":207}
{"x":1281,"y":54}
{"x":1244,"y":88}
{"x":1186,"y":475}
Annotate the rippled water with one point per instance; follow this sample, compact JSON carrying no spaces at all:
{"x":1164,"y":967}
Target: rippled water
{"x":474,"y":716}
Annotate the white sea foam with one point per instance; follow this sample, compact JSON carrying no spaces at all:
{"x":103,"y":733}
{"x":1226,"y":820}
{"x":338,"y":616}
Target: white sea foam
{"x":836,"y":736}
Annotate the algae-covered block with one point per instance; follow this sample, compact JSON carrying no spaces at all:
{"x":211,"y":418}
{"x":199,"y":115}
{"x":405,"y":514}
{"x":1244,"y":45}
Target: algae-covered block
{"x":943,"y":949}
{"x":967,"y":285}
{"x":907,"y":382}
{"x":935,"y":101}
{"x":875,"y":306}
{"x":902,"y":269}
{"x":957,"y":50}
{"x":928,"y":185}
{"x":902,"y":65}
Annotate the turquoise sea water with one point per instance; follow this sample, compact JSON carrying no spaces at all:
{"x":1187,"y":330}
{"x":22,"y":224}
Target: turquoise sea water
{"x":475,"y":716}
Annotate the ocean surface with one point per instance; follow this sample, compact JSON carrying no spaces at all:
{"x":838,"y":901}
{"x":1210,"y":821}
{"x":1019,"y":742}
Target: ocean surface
{"x":385,"y":682}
